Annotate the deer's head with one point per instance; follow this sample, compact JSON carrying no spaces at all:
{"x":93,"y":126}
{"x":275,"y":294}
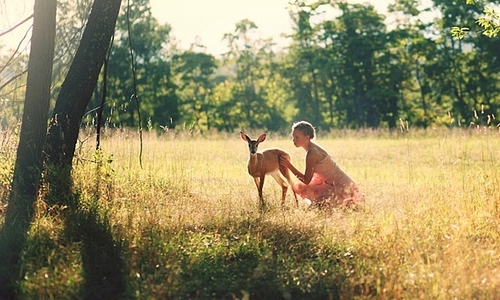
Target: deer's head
{"x":252,"y":144}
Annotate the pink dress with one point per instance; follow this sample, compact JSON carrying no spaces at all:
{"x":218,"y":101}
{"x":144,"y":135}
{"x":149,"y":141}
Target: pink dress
{"x":330,"y":185}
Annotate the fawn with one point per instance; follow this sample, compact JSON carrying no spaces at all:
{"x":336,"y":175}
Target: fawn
{"x":265,"y":163}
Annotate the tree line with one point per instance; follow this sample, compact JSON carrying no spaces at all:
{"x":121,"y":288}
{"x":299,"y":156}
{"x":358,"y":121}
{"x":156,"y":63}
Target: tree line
{"x":355,"y":70}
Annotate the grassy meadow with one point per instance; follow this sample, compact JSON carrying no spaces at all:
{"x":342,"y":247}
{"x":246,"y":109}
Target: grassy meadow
{"x":187,"y":225}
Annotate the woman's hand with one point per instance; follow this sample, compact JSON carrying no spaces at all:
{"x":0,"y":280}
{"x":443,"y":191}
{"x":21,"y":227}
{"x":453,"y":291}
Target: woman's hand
{"x":287,"y":164}
{"x":284,"y":162}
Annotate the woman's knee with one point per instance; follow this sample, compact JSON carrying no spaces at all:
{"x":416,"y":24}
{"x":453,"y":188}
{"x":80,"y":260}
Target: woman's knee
{"x":298,"y":187}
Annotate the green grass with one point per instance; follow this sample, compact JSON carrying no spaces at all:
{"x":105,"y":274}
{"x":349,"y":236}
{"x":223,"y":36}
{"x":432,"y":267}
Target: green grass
{"x":188,"y":225}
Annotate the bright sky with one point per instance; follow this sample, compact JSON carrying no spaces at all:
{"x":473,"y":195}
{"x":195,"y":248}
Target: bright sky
{"x":205,"y":20}
{"x":209,"y":20}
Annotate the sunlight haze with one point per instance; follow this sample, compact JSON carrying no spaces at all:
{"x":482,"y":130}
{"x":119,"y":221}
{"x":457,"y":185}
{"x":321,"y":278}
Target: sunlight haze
{"x":201,"y":21}
{"x":208,"y":21}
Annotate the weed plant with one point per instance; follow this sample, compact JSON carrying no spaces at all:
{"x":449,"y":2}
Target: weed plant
{"x":187,"y":225}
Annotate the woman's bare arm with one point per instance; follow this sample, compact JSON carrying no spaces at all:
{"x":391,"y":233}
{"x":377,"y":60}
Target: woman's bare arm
{"x":286,"y":163}
{"x":312,"y":157}
{"x":310,"y":163}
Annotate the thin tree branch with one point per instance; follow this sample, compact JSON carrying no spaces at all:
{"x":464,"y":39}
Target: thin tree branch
{"x":134,"y":78}
{"x":16,"y":51}
{"x":15,"y":26}
{"x":104,"y":92}
{"x":12,"y":79}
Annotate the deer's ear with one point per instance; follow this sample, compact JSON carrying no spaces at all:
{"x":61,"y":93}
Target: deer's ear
{"x":261,"y":138}
{"x":244,"y":136}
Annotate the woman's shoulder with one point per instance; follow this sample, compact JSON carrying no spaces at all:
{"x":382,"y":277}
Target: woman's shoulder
{"x":317,"y":152}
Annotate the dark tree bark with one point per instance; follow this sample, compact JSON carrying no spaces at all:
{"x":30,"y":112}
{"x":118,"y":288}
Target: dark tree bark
{"x":75,"y":95}
{"x":28,"y":165}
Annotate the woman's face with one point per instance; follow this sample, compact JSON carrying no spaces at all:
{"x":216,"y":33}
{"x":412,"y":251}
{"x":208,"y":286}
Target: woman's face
{"x":299,"y":139}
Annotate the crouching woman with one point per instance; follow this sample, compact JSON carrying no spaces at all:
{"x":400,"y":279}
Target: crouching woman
{"x":323,"y":182}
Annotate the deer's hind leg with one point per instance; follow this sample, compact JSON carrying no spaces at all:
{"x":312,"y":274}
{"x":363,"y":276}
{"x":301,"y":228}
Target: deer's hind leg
{"x":286,"y":173}
{"x":284,"y":186}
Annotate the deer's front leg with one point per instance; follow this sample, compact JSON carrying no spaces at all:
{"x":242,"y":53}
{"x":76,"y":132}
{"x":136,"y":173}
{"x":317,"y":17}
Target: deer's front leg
{"x":260,"y":187}
{"x":257,"y":184}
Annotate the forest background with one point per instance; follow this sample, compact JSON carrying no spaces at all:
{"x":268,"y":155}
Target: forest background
{"x":352,"y":71}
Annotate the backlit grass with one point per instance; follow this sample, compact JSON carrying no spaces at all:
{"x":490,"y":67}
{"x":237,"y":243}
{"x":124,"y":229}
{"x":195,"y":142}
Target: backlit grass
{"x":187,"y":224}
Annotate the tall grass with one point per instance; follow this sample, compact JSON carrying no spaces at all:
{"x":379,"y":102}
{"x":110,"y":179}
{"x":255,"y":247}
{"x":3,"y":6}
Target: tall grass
{"x":188,"y":225}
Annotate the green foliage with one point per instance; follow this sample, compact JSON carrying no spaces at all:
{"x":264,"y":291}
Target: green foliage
{"x":459,"y":32}
{"x":490,"y":23}
{"x":8,"y":142}
{"x":341,"y":61}
{"x":214,"y":265}
{"x":249,"y":95}
{"x":152,"y":76}
{"x":195,"y":72}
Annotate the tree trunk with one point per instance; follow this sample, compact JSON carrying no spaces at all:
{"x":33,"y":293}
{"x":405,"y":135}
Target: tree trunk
{"x":75,"y":96}
{"x":28,"y":165}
